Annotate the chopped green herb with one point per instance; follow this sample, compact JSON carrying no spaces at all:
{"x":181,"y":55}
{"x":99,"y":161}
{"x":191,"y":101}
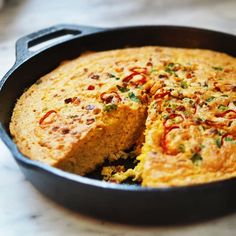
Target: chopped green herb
{"x":196,"y":159}
{"x":222,"y":108}
{"x":186,"y":99}
{"x":198,"y":120}
{"x":111,"y":75}
{"x":169,"y":69}
{"x":134,"y":98}
{"x":218,"y":142}
{"x":184,"y":84}
{"x":210,"y":99}
{"x":217,"y":68}
{"x":140,"y":87}
{"x":152,"y":105}
{"x":202,"y":146}
{"x":153,"y":70}
{"x":122,"y":89}
{"x":173,"y":106}
{"x":165,"y":117}
{"x":229,"y":139}
{"x":181,"y":148}
{"x":186,"y":113}
{"x":189,"y":100}
{"x":224,"y":95}
{"x":171,"y":64}
{"x":110,"y":107}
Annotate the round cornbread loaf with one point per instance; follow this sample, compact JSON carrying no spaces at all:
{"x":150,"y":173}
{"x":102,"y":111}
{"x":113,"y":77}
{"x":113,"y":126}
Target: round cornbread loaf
{"x":93,"y":107}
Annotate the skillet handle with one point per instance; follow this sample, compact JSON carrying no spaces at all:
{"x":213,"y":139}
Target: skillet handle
{"x":24,"y":44}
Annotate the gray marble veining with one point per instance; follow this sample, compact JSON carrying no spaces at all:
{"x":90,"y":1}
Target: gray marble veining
{"x":24,"y":211}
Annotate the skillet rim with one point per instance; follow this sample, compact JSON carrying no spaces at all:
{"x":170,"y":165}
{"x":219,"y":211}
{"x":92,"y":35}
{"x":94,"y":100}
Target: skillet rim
{"x":36,"y":165}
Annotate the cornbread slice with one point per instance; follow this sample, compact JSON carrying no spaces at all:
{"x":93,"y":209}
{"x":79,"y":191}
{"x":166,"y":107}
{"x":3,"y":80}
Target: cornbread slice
{"x":93,"y":107}
{"x":75,"y":117}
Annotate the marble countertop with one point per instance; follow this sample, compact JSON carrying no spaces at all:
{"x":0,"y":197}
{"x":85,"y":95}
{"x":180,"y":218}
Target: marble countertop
{"x":25,"y":211}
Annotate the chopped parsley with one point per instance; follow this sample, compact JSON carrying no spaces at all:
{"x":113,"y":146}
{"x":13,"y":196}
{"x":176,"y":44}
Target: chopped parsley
{"x":165,"y":117}
{"x":202,"y":146}
{"x":110,"y":107}
{"x":169,"y":69}
{"x":153,"y":70}
{"x":222,"y":108}
{"x":122,"y":89}
{"x":181,"y":148}
{"x":173,"y":105}
{"x":189,"y":100}
{"x":198,"y":120}
{"x":218,"y":142}
{"x":217,"y":68}
{"x":184,"y":84}
{"x":111,"y":75}
{"x":229,"y":139}
{"x":140,"y":87}
{"x":134,"y":98}
{"x":210,"y":99}
{"x":196,"y":159}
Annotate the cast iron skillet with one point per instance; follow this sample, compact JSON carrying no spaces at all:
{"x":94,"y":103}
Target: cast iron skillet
{"x":119,"y":203}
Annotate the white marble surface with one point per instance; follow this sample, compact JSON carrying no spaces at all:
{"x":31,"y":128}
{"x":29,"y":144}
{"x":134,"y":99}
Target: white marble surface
{"x":24,"y":211}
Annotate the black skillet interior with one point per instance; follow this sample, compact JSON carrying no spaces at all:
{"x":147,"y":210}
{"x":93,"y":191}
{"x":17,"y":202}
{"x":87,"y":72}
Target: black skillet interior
{"x":120,"y":203}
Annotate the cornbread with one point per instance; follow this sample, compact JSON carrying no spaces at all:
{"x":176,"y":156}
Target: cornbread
{"x":178,"y":105}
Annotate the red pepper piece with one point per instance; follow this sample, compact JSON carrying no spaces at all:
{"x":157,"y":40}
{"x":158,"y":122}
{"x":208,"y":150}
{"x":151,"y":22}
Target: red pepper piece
{"x":167,"y":130}
{"x":41,"y":121}
{"x":195,"y":106}
{"x":164,"y":143}
{"x":217,"y":88}
{"x":172,"y":116}
{"x":91,"y":87}
{"x":139,"y":70}
{"x":227,"y":112}
{"x":110,"y":97}
{"x":136,"y":71}
{"x":141,"y":81}
{"x":214,"y":124}
{"x":162,"y":94}
{"x":129,"y":77}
